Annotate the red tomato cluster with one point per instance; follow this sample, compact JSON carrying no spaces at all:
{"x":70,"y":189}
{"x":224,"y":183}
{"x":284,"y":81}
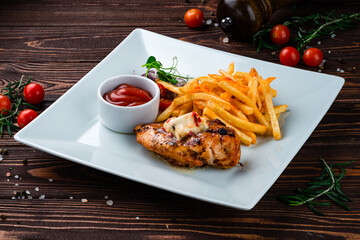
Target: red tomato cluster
{"x":289,"y":56}
{"x":33,"y":94}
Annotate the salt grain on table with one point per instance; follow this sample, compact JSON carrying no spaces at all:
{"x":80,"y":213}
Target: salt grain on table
{"x":333,"y":35}
{"x":216,"y":24}
{"x":16,"y":184}
{"x":84,"y":200}
{"x":71,"y":197}
{"x":225,"y":40}
{"x":42,"y":197}
{"x":50,"y":180}
{"x":13,"y":197}
{"x":27,"y":192}
{"x":16,"y":176}
{"x":208,"y":22}
{"x":37,"y":189}
{"x":106,"y":197}
{"x":109,"y":202}
{"x":137,"y":218}
{"x":30,"y":197}
{"x":1,"y":157}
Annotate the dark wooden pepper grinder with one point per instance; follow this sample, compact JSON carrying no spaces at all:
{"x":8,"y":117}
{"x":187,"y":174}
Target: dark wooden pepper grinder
{"x":241,"y":19}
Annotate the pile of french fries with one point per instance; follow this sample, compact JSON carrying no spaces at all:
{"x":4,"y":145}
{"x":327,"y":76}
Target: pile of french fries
{"x":241,"y":100}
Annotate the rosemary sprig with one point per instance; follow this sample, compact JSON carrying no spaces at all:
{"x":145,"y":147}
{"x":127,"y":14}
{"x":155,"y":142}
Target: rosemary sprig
{"x":13,"y":91}
{"x":166,"y":74}
{"x":333,"y":191}
{"x":324,"y":24}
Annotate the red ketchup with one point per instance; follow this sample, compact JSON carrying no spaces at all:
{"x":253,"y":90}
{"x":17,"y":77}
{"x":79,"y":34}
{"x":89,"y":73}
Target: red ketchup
{"x":127,"y":96}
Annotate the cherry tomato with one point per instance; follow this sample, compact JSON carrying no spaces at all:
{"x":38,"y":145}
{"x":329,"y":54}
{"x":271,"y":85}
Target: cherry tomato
{"x":194,"y":18}
{"x":25,"y":117}
{"x":164,"y":103}
{"x":5,"y":105}
{"x":162,"y":90}
{"x":280,"y":34}
{"x":289,"y":56}
{"x":34,"y":93}
{"x":313,"y":57}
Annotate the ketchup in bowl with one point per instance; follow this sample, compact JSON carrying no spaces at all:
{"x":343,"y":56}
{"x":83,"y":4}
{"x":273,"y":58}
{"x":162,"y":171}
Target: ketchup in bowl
{"x":126,"y":95}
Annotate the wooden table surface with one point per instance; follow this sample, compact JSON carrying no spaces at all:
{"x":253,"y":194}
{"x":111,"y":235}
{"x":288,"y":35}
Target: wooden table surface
{"x":57,"y":42}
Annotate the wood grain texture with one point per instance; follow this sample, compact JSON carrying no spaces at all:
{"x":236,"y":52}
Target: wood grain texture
{"x":58,"y":42}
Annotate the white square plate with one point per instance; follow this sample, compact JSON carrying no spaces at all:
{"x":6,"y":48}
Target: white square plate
{"x":69,"y":128}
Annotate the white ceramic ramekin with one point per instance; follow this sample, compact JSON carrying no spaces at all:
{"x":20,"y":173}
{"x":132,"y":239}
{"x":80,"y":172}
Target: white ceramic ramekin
{"x":124,"y":119}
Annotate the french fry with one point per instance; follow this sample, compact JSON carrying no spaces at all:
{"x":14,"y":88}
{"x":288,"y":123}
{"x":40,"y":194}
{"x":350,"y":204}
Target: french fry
{"x":238,"y":113}
{"x":230,"y":76}
{"x":243,"y":107}
{"x":245,"y":99}
{"x":200,"y":104}
{"x":226,"y":96}
{"x":208,"y":97}
{"x":270,"y":109}
{"x":270,"y":79}
{"x":230,"y":69}
{"x":169,"y":86}
{"x":187,"y":107}
{"x":237,"y":122}
{"x":189,"y":87}
{"x":177,"y":102}
{"x":176,"y":112}
{"x":278,"y":109}
{"x":245,"y":139}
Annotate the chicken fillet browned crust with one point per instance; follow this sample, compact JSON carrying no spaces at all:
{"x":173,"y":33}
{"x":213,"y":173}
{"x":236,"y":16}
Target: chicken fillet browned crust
{"x":218,"y":146}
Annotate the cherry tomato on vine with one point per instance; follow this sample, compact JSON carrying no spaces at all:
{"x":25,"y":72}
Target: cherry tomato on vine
{"x":194,"y":18}
{"x":34,"y":93}
{"x":280,"y":34}
{"x":289,"y":56}
{"x":25,"y":117}
{"x":313,"y":57}
{"x":162,"y":90}
{"x":5,"y":105}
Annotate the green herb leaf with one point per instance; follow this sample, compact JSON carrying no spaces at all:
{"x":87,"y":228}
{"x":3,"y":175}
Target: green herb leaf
{"x":165,"y":74}
{"x":327,"y":179}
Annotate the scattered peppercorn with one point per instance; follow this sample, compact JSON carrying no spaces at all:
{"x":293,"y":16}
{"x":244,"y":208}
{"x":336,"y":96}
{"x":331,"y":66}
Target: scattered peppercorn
{"x":203,"y":1}
{"x":25,"y":161}
{"x":187,"y":1}
{"x":339,"y":60}
{"x":3,"y":216}
{"x":212,"y":13}
{"x":5,"y":151}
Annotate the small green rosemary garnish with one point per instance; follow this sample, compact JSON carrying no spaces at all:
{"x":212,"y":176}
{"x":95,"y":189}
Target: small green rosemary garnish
{"x":333,"y":191}
{"x":169,"y":76}
{"x":325,"y":24}
{"x":14,"y":92}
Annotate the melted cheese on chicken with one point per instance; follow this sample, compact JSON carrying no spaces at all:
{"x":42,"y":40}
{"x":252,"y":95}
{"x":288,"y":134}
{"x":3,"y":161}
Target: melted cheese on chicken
{"x":186,"y":124}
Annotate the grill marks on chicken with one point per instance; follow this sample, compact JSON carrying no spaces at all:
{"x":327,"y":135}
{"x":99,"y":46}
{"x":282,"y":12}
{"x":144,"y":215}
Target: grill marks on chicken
{"x":218,"y":146}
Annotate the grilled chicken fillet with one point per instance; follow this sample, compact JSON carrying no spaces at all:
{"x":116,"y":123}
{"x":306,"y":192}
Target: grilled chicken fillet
{"x":218,"y":146}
